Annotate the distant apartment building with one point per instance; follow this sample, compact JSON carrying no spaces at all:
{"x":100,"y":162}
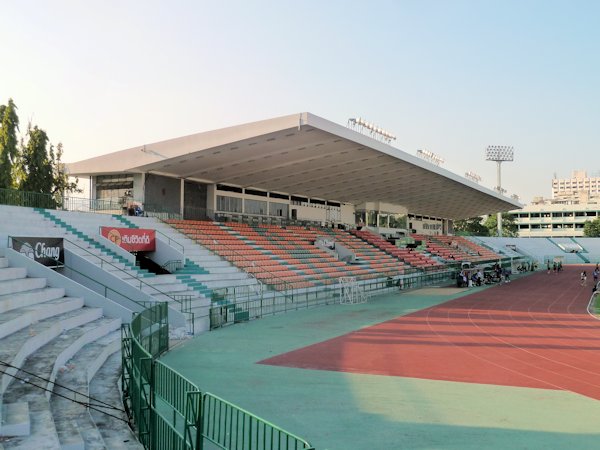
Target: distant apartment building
{"x":574,"y":201}
{"x":579,"y":183}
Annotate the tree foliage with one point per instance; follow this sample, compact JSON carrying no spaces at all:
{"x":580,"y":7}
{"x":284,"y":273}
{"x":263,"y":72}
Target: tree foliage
{"x":33,"y":164}
{"x":62,"y":184}
{"x":592,"y":228}
{"x":472,"y":226}
{"x":509,"y":227}
{"x":36,"y":162}
{"x":9,"y":125}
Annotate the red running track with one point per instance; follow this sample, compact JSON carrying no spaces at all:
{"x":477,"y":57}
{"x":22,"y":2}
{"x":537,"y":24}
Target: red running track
{"x":534,"y":332}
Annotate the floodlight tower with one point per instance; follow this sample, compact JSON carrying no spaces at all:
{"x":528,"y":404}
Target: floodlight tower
{"x":499,"y":153}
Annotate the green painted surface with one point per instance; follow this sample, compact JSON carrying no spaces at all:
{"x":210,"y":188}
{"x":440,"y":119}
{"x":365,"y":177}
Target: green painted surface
{"x":343,"y":411}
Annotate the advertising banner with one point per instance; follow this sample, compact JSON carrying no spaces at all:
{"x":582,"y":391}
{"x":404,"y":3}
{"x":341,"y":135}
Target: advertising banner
{"x":48,"y":251}
{"x":131,"y":239}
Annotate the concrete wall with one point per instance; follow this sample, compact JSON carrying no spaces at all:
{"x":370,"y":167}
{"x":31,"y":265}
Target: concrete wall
{"x":139,"y":188}
{"x":72,"y":288}
{"x":110,"y":286}
{"x":164,"y":253}
{"x":348,"y":214}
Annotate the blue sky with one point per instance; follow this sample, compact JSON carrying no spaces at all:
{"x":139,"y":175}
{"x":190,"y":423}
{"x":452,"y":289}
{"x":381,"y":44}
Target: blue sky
{"x":448,"y":76}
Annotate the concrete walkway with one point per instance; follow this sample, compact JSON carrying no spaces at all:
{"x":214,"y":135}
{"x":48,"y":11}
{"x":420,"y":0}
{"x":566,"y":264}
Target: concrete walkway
{"x":344,"y":411}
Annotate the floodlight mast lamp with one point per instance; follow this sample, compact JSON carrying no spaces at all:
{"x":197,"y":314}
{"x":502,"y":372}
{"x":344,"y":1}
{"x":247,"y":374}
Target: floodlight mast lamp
{"x":375,"y":131}
{"x":430,"y":156}
{"x":499,"y":153}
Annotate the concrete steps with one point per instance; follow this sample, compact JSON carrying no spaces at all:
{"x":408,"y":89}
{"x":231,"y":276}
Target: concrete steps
{"x":19,"y":318}
{"x":46,"y":363}
{"x":73,"y":421}
{"x":48,"y":337}
{"x":105,"y":386}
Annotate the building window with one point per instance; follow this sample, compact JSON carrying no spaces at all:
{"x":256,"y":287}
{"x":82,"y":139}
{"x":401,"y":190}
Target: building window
{"x":256,"y":192}
{"x":255,"y":207}
{"x":224,"y":187}
{"x":229,"y":204}
{"x":278,"y":209}
{"x":114,"y":187}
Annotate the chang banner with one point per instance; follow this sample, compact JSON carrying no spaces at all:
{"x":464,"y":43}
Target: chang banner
{"x":48,"y":251}
{"x":131,"y":239}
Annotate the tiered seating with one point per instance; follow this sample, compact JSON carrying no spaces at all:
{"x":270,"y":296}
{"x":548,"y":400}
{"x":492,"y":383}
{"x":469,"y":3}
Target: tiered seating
{"x":441,"y":249}
{"x":296,"y":246}
{"x":409,"y":256}
{"x":201,"y":264}
{"x":46,"y":334}
{"x":235,"y":250}
{"x":464,"y":250}
{"x":484,"y":253}
{"x":277,"y":256}
{"x":124,"y":274}
{"x":369,"y":254}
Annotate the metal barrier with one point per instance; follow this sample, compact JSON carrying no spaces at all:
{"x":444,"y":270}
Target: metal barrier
{"x":170,"y":412}
{"x":244,"y":303}
{"x":30,"y":199}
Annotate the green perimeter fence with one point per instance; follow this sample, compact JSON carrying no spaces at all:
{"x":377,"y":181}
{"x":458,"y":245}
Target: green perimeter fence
{"x":242,"y":303}
{"x":170,"y":412}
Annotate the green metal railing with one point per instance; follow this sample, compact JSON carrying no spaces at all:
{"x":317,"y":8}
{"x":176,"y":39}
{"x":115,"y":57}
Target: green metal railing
{"x":172,"y":265}
{"x":246,"y":303}
{"x":171,"y":412}
{"x":99,"y":287}
{"x":184,"y":301}
{"x":30,"y":199}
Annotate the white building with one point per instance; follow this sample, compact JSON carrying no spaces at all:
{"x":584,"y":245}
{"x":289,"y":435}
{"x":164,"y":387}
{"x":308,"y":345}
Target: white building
{"x":574,"y":201}
{"x":578,"y":184}
{"x":555,"y":220}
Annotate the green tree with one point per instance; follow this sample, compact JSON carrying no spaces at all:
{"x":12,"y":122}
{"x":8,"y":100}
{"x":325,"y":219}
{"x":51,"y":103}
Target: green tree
{"x":60,"y":178}
{"x":41,"y":169}
{"x":592,"y":228}
{"x":473,"y":226}
{"x":509,"y":227}
{"x":9,"y":124}
{"x":36,"y":162}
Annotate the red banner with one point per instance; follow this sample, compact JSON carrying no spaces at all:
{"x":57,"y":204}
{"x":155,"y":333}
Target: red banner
{"x":131,"y":239}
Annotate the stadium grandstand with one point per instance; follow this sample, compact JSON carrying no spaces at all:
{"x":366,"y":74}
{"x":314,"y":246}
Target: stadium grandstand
{"x":184,"y":236}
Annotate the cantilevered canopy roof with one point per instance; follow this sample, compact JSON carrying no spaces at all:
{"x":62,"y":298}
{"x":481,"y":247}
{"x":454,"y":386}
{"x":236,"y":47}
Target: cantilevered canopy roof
{"x":306,"y":155}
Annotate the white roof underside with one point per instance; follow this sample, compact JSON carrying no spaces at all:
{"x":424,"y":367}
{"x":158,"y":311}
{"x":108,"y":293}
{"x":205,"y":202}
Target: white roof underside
{"x":306,"y":155}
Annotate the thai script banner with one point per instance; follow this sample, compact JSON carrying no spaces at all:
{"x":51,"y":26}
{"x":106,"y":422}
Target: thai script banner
{"x":48,"y":251}
{"x":131,"y":239}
